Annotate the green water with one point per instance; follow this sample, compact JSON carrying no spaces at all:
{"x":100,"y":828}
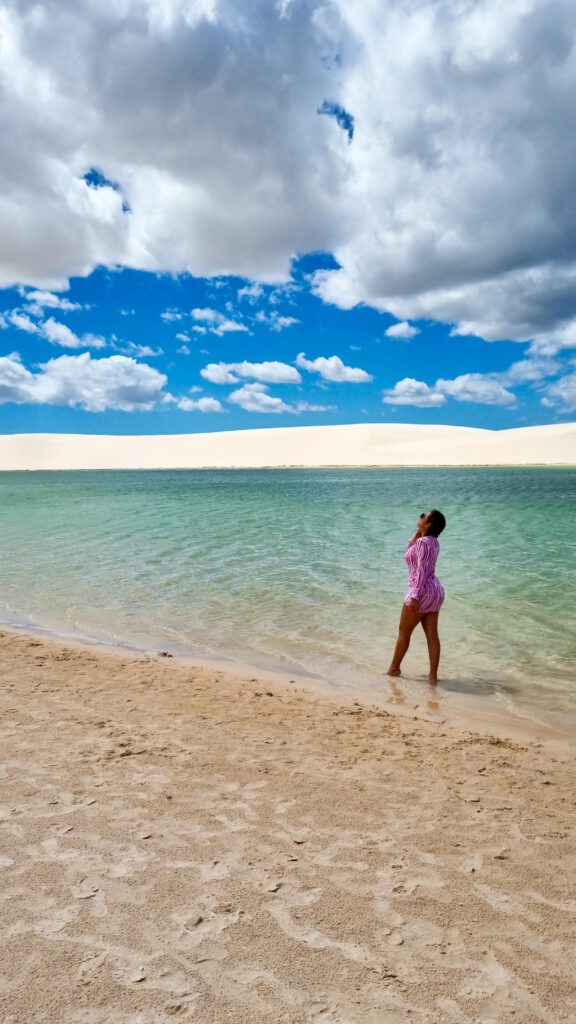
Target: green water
{"x":304,"y":570}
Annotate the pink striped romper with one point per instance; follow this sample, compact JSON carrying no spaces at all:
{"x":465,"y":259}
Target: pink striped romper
{"x":422,"y":583}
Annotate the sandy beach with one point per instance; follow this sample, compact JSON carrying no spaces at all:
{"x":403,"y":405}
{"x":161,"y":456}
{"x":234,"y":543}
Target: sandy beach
{"x":355,"y":445}
{"x":181,"y":843}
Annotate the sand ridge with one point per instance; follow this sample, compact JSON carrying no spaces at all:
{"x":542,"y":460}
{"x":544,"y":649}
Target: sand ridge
{"x":351,"y":445}
{"x":181,"y":844}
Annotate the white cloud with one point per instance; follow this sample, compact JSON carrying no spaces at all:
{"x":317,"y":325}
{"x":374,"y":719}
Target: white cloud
{"x":332,"y":368}
{"x":52,"y":330}
{"x":182,"y":337}
{"x":60,"y":334}
{"x":460,"y":182}
{"x":562,"y":394}
{"x":131,"y":348}
{"x":279,"y":323}
{"x":554,"y":342}
{"x":219,"y":373}
{"x":216,"y":322}
{"x":402,"y":330}
{"x":271,"y":372}
{"x":214,"y":122}
{"x":453,"y":201}
{"x":482,"y":389}
{"x":255,"y":398}
{"x":184,"y":350}
{"x":204,"y":404}
{"x":476,"y":387}
{"x":116,"y":382}
{"x":275,"y":321}
{"x":310,"y":407}
{"x":251,"y":292}
{"x":22,"y":322}
{"x":14,"y":379}
{"x":38,"y":301}
{"x":413,"y":392}
{"x":283,"y":293}
{"x":171,"y":316}
{"x":528,"y":371}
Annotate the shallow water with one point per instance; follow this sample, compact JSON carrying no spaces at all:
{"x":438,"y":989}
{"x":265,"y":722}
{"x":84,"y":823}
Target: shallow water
{"x":304,"y":569}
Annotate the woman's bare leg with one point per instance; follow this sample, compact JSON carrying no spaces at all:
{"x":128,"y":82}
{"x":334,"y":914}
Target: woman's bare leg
{"x":430,"y":627}
{"x":408,"y":622}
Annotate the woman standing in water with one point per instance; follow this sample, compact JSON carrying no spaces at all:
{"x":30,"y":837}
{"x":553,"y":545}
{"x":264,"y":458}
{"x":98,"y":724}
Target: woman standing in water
{"x":425,"y":593}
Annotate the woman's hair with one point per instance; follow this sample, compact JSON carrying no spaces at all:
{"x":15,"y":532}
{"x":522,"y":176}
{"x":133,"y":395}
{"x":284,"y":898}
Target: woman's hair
{"x":437,"y":523}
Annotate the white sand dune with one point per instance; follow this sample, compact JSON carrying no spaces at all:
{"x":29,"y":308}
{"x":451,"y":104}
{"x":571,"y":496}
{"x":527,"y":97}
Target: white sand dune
{"x":372,"y":444}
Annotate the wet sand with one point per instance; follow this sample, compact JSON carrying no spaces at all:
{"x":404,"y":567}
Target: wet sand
{"x":180,"y":843}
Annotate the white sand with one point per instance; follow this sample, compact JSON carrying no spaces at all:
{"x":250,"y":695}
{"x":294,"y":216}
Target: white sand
{"x":372,"y":444}
{"x":182,"y":844}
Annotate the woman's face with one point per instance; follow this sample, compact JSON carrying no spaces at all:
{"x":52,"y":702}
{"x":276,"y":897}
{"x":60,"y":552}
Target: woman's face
{"x":423,"y":522}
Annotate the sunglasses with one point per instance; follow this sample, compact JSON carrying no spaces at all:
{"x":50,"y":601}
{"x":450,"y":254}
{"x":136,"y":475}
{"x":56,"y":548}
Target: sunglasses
{"x":422,"y":515}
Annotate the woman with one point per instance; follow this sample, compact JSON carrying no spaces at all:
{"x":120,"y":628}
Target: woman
{"x":425,"y":593}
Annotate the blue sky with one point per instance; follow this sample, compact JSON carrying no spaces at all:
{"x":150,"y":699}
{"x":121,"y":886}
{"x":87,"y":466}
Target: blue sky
{"x":287,"y":213}
{"x":148,"y":319}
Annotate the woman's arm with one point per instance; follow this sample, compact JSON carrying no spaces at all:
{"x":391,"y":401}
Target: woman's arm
{"x":414,"y":539}
{"x":422,"y":573}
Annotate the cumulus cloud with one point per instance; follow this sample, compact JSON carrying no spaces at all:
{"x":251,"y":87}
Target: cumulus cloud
{"x":402,"y":330}
{"x":476,"y":387}
{"x":271,"y":372}
{"x":251,"y":292}
{"x":461,"y":180}
{"x":38,"y":301}
{"x":216,"y":322}
{"x":116,"y":382}
{"x":312,"y":407}
{"x":21,"y":321}
{"x":528,"y":371}
{"x":333,"y":369}
{"x":413,"y":392}
{"x":60,"y":334}
{"x":255,"y":398}
{"x":52,"y":330}
{"x":562,"y":394}
{"x":452,"y":201}
{"x":132,"y":348}
{"x":275,"y":321}
{"x":204,"y":404}
{"x":483,"y":389}
{"x":555,"y":342}
{"x":209,"y":164}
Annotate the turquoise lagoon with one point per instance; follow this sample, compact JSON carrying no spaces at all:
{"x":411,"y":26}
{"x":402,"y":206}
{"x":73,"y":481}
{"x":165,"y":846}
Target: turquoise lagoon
{"x":303,"y":570}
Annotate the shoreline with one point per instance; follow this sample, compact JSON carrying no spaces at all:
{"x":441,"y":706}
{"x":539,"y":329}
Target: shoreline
{"x":181,"y":843}
{"x":473,"y":714}
{"x":328,"y":466}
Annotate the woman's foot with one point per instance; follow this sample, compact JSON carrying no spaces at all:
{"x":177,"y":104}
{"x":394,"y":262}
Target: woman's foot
{"x":393,"y":671}
{"x":433,"y":680}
